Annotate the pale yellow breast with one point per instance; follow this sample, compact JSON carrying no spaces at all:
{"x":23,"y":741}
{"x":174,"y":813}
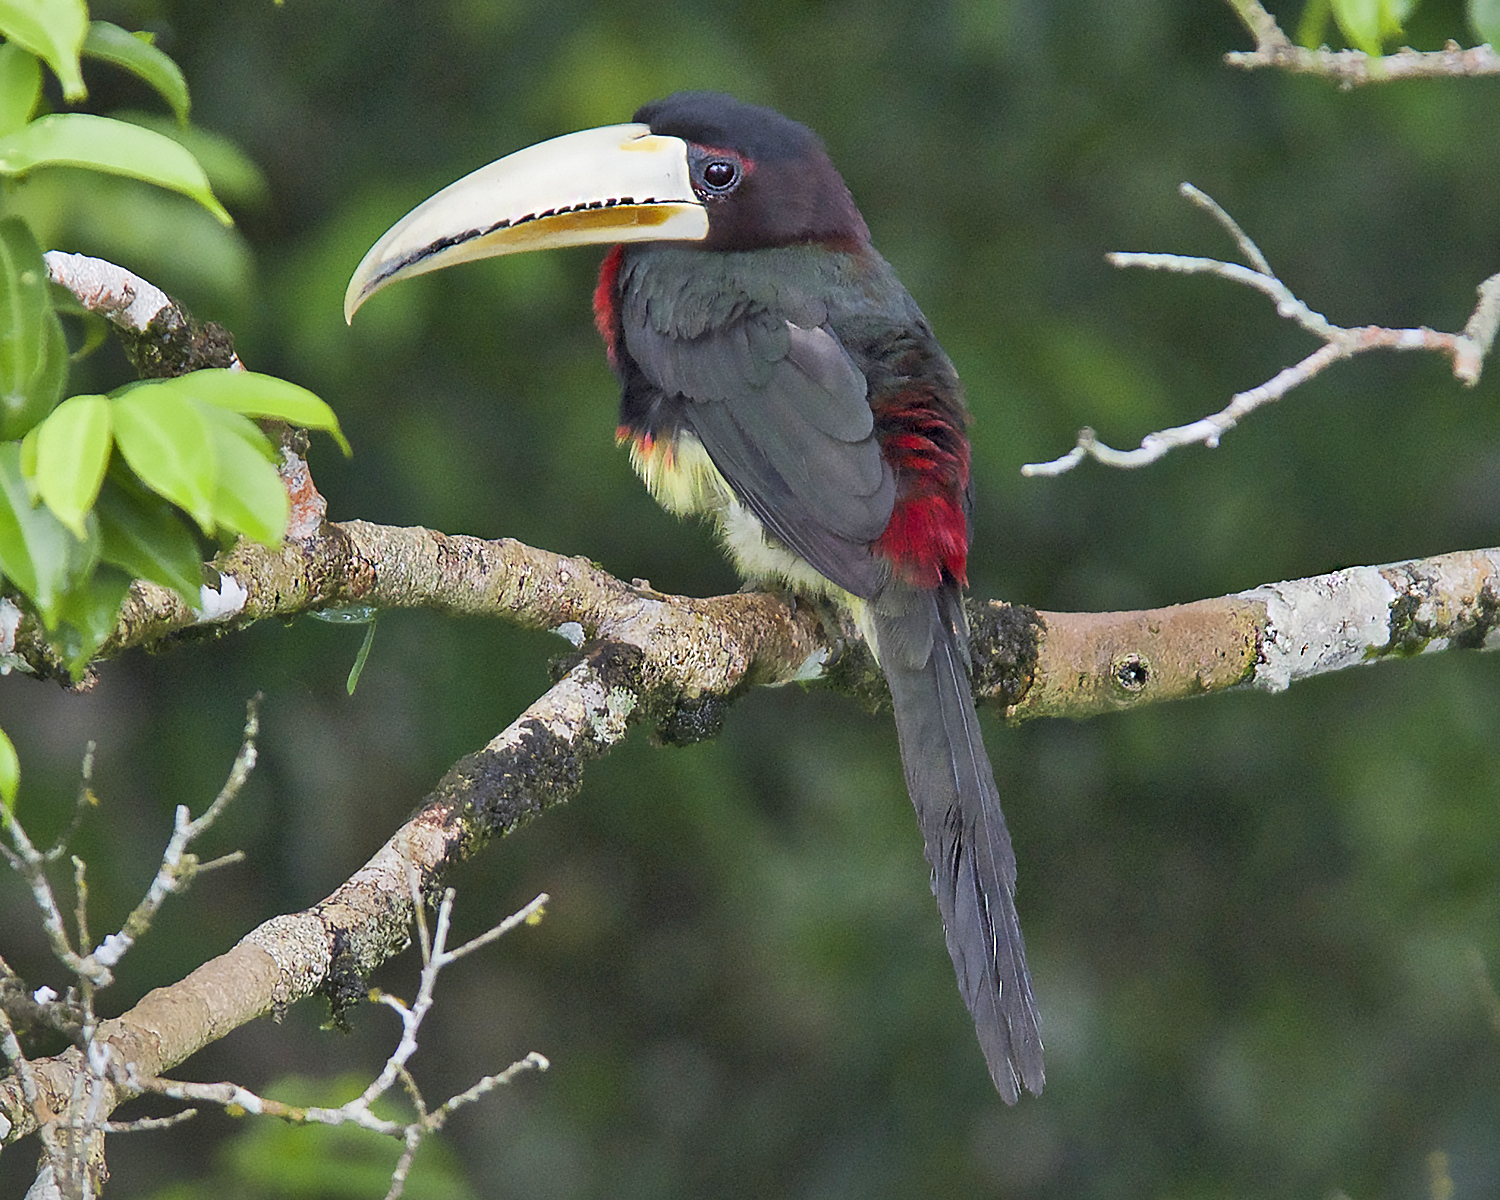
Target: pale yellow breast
{"x":684,"y":481}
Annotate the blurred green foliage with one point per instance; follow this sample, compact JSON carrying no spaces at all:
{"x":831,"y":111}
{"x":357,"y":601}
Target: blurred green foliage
{"x":1262,"y":927}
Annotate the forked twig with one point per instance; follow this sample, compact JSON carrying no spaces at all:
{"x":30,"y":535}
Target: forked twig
{"x":359,"y":1111}
{"x":1467,"y":349}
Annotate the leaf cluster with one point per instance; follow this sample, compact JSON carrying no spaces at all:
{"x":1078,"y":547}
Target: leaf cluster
{"x":1373,"y":25}
{"x":99,"y":490}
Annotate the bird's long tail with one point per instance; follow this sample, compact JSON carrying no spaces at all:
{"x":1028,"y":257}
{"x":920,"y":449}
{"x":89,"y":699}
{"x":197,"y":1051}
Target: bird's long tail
{"x":923,"y":649}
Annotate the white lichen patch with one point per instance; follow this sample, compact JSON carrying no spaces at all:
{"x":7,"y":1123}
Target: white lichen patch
{"x":221,"y":604}
{"x":1321,"y":624}
{"x":10,"y":622}
{"x":812,"y":667}
{"x":570,"y":631}
{"x":608,"y":721}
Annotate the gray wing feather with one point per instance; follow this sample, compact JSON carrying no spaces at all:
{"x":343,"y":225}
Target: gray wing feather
{"x":784,"y":414}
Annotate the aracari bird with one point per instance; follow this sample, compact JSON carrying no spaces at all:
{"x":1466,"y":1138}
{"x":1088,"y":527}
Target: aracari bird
{"x":778,"y":378}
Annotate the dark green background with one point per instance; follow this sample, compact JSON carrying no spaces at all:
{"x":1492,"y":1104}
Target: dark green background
{"x":1254,"y":921}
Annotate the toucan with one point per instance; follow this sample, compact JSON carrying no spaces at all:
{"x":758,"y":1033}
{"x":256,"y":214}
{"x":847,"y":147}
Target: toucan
{"x":777,"y":378}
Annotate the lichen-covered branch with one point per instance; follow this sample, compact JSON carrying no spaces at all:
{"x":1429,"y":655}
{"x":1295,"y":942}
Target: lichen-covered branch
{"x":331,"y":948}
{"x":708,"y":645}
{"x":161,"y":337}
{"x":1029,"y":662}
{"x":1032,"y":663}
{"x":661,"y":650}
{"x":1268,"y":637}
{"x":1350,"y":68}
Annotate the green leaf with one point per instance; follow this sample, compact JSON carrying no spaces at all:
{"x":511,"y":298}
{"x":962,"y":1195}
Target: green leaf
{"x":10,"y":774}
{"x":166,"y":440}
{"x":72,"y":451}
{"x":95,"y":328}
{"x":1392,"y":14}
{"x":53,"y":30}
{"x":31,"y":375}
{"x":1312,"y":25}
{"x":144,"y":535}
{"x":1484,"y":17}
{"x":257,"y":395}
{"x":1359,"y":21}
{"x":28,"y":463}
{"x":37,"y":552}
{"x":232,"y":173}
{"x":24,"y":304}
{"x":138,"y":56}
{"x":51,"y":378}
{"x":250,"y":498}
{"x":361,"y":658}
{"x":116,"y":147}
{"x":88,"y":615}
{"x":20,"y":86}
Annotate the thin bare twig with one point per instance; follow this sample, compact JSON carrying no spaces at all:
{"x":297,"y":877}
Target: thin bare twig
{"x":435,"y":957}
{"x":30,"y":863}
{"x":81,"y":804}
{"x":1467,"y":350}
{"x":150,"y":1124}
{"x":178,"y":868}
{"x":73,"y":1131}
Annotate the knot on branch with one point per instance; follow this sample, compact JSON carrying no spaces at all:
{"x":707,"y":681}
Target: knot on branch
{"x":1005,"y":641}
{"x":175,"y":343}
{"x":692,"y":719}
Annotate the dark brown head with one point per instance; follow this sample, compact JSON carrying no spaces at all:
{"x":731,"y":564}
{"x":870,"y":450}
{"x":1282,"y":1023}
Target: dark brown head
{"x":765,"y":179}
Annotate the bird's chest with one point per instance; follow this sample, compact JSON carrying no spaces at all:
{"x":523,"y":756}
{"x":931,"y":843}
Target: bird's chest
{"x":679,"y":292}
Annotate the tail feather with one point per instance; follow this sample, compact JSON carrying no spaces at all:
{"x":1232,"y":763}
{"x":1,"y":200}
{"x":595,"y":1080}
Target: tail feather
{"x":923,"y":648}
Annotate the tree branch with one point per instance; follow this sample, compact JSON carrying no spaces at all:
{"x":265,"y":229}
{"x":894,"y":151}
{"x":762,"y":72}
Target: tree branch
{"x":1035,"y":664}
{"x":1268,"y":637}
{"x":1029,"y":662}
{"x":161,"y":337}
{"x":1350,"y":68}
{"x":331,"y":948}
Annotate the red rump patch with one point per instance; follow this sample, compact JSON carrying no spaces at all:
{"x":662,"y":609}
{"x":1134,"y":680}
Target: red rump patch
{"x":927,"y":536}
{"x":606,"y":319}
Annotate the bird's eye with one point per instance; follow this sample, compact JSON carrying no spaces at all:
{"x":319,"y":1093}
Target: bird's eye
{"x":721,"y":174}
